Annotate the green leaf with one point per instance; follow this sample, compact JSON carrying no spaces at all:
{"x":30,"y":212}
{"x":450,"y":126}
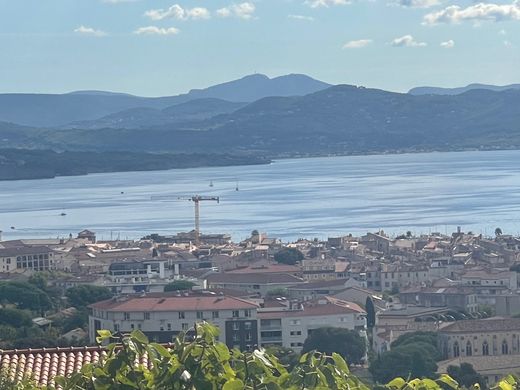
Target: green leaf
{"x":340,"y":362}
{"x":448,"y":381}
{"x":139,"y":336}
{"x":233,"y":384}
{"x":396,"y":383}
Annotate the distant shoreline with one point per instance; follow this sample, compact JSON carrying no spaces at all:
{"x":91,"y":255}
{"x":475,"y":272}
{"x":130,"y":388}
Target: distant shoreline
{"x":15,"y":173}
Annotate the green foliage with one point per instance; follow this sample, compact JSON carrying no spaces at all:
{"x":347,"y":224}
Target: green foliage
{"x":84,"y":295}
{"x":288,"y":256}
{"x":371,"y":312}
{"x":277,"y":292}
{"x":203,"y":363}
{"x":347,"y":343}
{"x":15,"y":317}
{"x":179,"y":285}
{"x":285,"y":356}
{"x":415,"y":337}
{"x":466,"y":375}
{"x":25,"y":296}
{"x":411,"y":355}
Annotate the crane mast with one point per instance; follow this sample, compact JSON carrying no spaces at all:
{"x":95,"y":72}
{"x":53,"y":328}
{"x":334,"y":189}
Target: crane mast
{"x":196,"y":199}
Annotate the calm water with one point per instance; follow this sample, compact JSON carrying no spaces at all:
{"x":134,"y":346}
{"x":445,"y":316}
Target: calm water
{"x":290,"y":198}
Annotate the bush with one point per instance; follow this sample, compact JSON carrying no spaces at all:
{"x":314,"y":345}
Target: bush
{"x":289,"y":256}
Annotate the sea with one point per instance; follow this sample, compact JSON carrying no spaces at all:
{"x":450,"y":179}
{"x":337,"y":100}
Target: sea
{"x":290,"y":198}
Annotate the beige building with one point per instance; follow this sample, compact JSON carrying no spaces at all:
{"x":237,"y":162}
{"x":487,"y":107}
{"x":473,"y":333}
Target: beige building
{"x":489,"y":337}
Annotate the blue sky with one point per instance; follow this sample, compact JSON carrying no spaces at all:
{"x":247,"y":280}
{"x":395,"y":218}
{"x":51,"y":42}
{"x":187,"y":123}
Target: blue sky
{"x":158,"y":47}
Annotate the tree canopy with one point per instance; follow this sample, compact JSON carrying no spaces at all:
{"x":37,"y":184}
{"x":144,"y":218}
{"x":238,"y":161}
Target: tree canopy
{"x":348,"y":343}
{"x":466,"y":375}
{"x":371,"y":312}
{"x":288,"y":256}
{"x":86,"y":294}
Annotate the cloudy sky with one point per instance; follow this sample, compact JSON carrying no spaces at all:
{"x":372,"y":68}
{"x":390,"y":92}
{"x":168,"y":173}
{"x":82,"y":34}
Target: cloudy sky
{"x":159,"y":47}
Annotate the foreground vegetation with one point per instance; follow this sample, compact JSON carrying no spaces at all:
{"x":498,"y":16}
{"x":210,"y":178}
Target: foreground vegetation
{"x":197,"y":361}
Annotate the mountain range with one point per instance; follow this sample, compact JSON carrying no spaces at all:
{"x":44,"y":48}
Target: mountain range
{"x":58,"y":110}
{"x":306,"y":117}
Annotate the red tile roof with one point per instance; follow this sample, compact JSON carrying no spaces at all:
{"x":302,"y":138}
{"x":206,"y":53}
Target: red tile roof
{"x":42,"y":365}
{"x":158,"y":303}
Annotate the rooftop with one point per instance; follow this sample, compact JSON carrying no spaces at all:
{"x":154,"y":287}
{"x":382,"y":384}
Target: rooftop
{"x":167,"y":302}
{"x":487,"y":325}
{"x":253,"y":278}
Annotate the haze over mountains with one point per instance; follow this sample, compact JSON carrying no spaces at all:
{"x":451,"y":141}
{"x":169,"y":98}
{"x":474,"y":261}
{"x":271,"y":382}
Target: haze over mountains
{"x":48,"y":110}
{"x":262,"y":118}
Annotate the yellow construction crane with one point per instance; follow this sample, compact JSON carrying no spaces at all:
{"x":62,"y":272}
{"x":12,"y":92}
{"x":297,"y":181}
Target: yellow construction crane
{"x":196,"y":199}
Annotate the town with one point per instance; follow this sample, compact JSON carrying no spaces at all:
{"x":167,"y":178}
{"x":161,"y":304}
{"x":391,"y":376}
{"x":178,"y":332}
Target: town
{"x":56,"y":294}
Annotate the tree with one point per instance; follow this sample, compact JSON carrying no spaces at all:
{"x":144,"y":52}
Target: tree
{"x":289,"y":256}
{"x":25,"y":296}
{"x":348,"y":343}
{"x":86,"y":294}
{"x":203,"y":363}
{"x":179,"y":285}
{"x":15,"y":317}
{"x":466,"y":375}
{"x":405,"y":361}
{"x":371,"y":312}
{"x":498,"y":232}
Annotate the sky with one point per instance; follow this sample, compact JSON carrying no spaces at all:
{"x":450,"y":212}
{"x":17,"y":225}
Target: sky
{"x":166,"y":47}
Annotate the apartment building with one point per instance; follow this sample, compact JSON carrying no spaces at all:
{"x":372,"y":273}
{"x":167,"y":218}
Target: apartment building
{"x":290,"y":324}
{"x":34,"y":258}
{"x":162,"y":316}
{"x":127,"y":277}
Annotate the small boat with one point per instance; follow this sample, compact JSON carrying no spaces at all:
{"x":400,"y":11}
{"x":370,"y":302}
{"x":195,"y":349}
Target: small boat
{"x":12,"y":227}
{"x":211,"y":183}
{"x":63,"y":214}
{"x":236,"y":188}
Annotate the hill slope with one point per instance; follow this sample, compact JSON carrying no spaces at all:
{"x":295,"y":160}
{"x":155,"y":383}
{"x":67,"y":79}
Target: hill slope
{"x":48,"y":110}
{"x":458,"y":91}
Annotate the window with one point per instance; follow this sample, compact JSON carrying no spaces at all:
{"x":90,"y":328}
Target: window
{"x":485,"y":348}
{"x":185,"y":326}
{"x":182,"y":315}
{"x":126,"y":316}
{"x":116,"y":327}
{"x":296,"y":332}
{"x":169,"y":326}
{"x":456,"y":350}
{"x":132,"y":326}
{"x":235,"y":314}
{"x":214,"y":314}
{"x":247,"y":325}
{"x":161,"y":328}
{"x":468,"y":348}
{"x":200,"y":315}
{"x":295,"y":322}
{"x":139,"y":326}
{"x":236,"y":337}
{"x":236,"y":326}
{"x":146,"y":315}
{"x":505,"y":348}
{"x":247,"y":313}
{"x":249,"y":336}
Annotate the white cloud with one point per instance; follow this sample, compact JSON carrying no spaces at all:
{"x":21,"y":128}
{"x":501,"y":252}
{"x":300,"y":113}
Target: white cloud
{"x":301,"y":17}
{"x":357,"y":44}
{"x":417,"y":3}
{"x":476,"y":13}
{"x":326,"y":3}
{"x":448,"y":44}
{"x":83,"y":30}
{"x":241,"y":11}
{"x":154,"y":30}
{"x":179,"y":13}
{"x":407,"y":41}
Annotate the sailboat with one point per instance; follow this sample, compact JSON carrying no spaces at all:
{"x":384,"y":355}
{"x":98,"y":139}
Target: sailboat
{"x":211,"y":183}
{"x":236,"y":188}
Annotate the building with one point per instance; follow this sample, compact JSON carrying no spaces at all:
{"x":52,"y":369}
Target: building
{"x":489,"y":337}
{"x":33,"y":258}
{"x":290,"y":324}
{"x":127,"y":277}
{"x":492,"y":368}
{"x":452,"y":297}
{"x":313,"y":290}
{"x":260,"y":282}
{"x":162,"y":316}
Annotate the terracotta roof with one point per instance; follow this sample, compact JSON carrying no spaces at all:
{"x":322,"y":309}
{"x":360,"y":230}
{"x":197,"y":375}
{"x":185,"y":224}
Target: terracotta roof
{"x":253,"y":278}
{"x":322,"y":307}
{"x":161,"y":303}
{"x":43,"y":365}
{"x":266,"y":268}
{"x":320,"y":284}
{"x":487,"y":325}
